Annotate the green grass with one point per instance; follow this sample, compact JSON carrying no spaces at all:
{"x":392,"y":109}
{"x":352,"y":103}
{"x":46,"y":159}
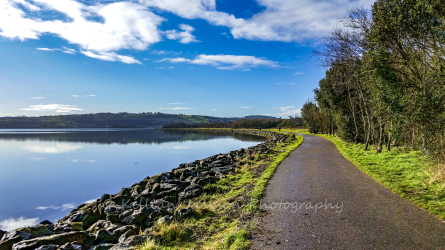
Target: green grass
{"x":408,"y":173}
{"x":223,"y":215}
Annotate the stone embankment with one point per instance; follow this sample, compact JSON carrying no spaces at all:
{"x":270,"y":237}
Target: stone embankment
{"x":124,"y":220}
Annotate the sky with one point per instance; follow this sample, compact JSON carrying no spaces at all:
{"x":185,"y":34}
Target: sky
{"x":224,"y":58}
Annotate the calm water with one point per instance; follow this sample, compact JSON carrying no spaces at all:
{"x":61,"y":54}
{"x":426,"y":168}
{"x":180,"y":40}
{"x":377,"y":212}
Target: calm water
{"x":44,"y":174}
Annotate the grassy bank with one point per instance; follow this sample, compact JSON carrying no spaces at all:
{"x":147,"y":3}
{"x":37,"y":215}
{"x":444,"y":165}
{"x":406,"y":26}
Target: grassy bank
{"x":408,"y":173}
{"x":222,"y":216}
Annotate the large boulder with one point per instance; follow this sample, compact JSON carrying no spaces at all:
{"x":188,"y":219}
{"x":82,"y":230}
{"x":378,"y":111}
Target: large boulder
{"x":28,"y":233}
{"x":143,"y":216}
{"x":59,"y":239}
{"x":190,"y":192}
{"x":105,"y":236}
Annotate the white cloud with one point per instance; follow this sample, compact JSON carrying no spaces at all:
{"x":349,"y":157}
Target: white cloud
{"x":45,"y":49}
{"x":59,"y":108}
{"x":185,"y":8}
{"x":246,"y":107}
{"x":290,"y":20}
{"x":63,"y":49}
{"x":102,"y":28}
{"x":185,"y":36}
{"x":110,"y":56}
{"x":63,"y":207}
{"x":90,"y":201}
{"x":164,"y":67}
{"x":298,"y":73}
{"x":288,"y":111}
{"x":285,"y":83}
{"x":12,"y":224}
{"x":125,"y":25}
{"x":37,"y":97}
{"x":75,"y":96}
{"x":225,"y":61}
{"x":177,"y":108}
{"x":164,"y":52}
{"x":68,"y":50}
{"x":93,"y":95}
{"x":282,"y":20}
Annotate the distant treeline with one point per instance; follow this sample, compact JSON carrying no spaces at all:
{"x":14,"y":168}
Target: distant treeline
{"x":385,"y":78}
{"x":245,"y":123}
{"x":106,"y":120}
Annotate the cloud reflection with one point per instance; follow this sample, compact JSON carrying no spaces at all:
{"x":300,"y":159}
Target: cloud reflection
{"x":63,"y":207}
{"x":176,"y":147}
{"x":12,"y":224}
{"x":37,"y":158}
{"x":53,"y":149}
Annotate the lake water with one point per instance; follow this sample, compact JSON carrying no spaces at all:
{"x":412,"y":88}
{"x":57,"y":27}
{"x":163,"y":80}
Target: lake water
{"x":45,"y":173}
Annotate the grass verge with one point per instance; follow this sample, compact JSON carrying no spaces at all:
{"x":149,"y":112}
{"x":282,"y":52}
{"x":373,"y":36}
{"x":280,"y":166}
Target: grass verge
{"x":222,"y":217}
{"x":408,"y":173}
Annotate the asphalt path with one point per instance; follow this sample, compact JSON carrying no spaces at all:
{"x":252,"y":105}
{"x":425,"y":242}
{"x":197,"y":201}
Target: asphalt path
{"x":317,"y":199}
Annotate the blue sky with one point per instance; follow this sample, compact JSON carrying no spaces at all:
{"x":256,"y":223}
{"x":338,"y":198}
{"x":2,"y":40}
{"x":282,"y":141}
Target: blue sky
{"x":226,"y":58}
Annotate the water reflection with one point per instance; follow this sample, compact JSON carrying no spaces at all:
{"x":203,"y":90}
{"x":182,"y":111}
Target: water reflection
{"x":52,"y":149}
{"x":45,"y":173}
{"x":11,"y":223}
{"x":120,"y":136}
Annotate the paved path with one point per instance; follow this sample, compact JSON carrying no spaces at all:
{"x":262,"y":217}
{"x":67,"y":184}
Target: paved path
{"x":352,"y":210}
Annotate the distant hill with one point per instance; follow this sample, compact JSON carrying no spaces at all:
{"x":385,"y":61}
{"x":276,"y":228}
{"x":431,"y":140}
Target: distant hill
{"x":259,"y":117}
{"x":109,"y":120}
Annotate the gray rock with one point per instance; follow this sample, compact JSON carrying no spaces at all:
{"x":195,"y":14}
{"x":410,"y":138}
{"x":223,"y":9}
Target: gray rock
{"x":122,"y":199}
{"x":105,"y":236}
{"x":104,"y":198}
{"x":142,"y":216}
{"x":169,"y":193}
{"x":76,"y":217}
{"x":162,"y":204}
{"x":103,"y":246}
{"x":28,"y":233}
{"x":148,"y":194}
{"x":136,"y":240}
{"x":125,"y":231}
{"x":124,"y":192}
{"x":190,"y":192}
{"x":103,"y":225}
{"x":127,"y":234}
{"x":62,"y":228}
{"x":58,"y":239}
{"x":184,"y":213}
{"x":166,"y":220}
{"x":7,"y":244}
{"x":114,"y":210}
{"x":88,"y":220}
{"x":48,"y":247}
{"x":45,"y":222}
{"x":202,"y":181}
{"x":122,"y":246}
{"x":72,"y":246}
{"x":124,"y":215}
{"x":156,"y":188}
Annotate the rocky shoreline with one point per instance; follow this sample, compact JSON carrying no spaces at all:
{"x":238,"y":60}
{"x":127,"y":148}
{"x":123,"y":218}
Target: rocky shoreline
{"x":124,"y":220}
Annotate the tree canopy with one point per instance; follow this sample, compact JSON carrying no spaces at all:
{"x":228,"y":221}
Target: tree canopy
{"x":385,"y":78}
